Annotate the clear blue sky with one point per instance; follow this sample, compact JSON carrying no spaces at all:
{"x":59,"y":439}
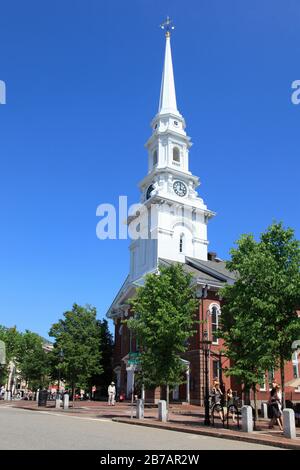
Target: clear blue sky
{"x":83,"y":80}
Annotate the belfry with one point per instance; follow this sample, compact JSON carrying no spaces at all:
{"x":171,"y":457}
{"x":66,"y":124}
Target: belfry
{"x":179,"y":228}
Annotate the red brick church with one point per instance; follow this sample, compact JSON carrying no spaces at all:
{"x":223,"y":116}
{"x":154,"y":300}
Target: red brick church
{"x":177,"y":232}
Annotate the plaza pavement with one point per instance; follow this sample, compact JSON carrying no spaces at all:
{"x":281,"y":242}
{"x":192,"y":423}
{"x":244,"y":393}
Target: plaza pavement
{"x":182,"y":418}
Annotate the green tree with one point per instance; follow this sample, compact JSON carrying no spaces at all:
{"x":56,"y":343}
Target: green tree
{"x":11,"y":338}
{"x":32,"y":360}
{"x":77,"y":335}
{"x":259,"y":319}
{"x":163,"y":322}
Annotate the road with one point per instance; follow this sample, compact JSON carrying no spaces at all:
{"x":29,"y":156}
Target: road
{"x":32,"y":430}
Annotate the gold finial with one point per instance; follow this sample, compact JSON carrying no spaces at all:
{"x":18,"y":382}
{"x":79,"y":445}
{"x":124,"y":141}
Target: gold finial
{"x":167,"y":26}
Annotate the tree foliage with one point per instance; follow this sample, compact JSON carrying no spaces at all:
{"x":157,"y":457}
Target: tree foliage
{"x":11,"y":337}
{"x":164,"y":318}
{"x":26,"y":351}
{"x":78,"y":336}
{"x":32,"y":360}
{"x":259,"y":320}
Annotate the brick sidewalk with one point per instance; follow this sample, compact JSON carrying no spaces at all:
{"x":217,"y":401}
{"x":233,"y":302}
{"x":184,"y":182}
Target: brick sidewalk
{"x":184,"y":418}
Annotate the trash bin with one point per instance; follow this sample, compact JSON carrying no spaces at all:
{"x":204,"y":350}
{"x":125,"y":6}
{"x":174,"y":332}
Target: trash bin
{"x":43,"y":394}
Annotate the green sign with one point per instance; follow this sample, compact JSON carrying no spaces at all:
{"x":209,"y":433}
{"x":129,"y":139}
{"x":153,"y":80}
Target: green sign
{"x":133,"y":358}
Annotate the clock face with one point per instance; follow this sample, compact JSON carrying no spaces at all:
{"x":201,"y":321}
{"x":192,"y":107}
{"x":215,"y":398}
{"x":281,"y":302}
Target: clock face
{"x":180,"y":188}
{"x":149,"y":191}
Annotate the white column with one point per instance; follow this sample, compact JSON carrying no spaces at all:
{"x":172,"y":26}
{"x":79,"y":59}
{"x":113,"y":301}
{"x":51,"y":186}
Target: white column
{"x":264,"y":410}
{"x":130,"y":380}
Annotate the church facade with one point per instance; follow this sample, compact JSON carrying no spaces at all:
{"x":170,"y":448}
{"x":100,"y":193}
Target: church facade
{"x":176,"y":231}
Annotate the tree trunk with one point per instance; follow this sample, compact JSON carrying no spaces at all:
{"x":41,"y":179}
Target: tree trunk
{"x":255,"y":402}
{"x":167,"y":397}
{"x":73,"y":393}
{"x":246,"y":395}
{"x":282,"y":381}
{"x":168,"y":392}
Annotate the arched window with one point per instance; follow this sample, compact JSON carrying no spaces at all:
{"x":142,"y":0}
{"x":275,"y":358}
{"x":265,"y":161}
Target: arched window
{"x":176,"y":155}
{"x":155,"y":157}
{"x":215,"y":312}
{"x":181,"y":240}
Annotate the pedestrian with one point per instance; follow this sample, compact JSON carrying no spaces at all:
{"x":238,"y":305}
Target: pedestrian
{"x":275,"y":407}
{"x":216,"y":394}
{"x":111,"y":394}
{"x":230,"y":402}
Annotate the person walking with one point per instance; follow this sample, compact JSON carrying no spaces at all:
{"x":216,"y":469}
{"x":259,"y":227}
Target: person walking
{"x":275,"y":407}
{"x":111,"y":394}
{"x":216,"y":394}
{"x":230,"y":402}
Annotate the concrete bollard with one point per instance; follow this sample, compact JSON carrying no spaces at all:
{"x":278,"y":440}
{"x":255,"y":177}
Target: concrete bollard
{"x":289,"y":426}
{"x":264,"y":410}
{"x":247,"y":419}
{"x":7,"y":395}
{"x":162,"y":411}
{"x":57,"y":403}
{"x":37,"y":396}
{"x":140,"y":409}
{"x":66,"y":401}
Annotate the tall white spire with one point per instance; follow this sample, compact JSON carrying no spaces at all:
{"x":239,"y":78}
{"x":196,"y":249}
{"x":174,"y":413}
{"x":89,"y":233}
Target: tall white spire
{"x":167,"y":100}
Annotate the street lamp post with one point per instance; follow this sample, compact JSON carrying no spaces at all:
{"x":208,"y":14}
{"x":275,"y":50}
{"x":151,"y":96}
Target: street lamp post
{"x":201,"y":293}
{"x":206,"y":348}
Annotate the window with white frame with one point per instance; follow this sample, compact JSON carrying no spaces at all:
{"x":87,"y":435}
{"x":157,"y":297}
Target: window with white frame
{"x":215,"y":313}
{"x":176,"y":155}
{"x":262,"y":383}
{"x":216,"y":370}
{"x":271,"y":377}
{"x":155,"y":158}
{"x":295,"y":361}
{"x":181,"y":242}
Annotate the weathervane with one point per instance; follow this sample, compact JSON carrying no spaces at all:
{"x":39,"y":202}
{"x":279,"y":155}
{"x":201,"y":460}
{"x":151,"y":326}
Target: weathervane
{"x":167,"y":26}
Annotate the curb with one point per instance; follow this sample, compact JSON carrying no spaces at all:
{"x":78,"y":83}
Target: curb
{"x":212,"y":433}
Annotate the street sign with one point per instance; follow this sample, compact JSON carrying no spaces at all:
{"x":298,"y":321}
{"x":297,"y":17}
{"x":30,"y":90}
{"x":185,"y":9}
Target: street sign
{"x":133,"y":358}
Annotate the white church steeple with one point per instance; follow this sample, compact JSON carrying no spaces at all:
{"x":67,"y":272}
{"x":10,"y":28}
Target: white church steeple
{"x":167,"y":99}
{"x":179,"y":227}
